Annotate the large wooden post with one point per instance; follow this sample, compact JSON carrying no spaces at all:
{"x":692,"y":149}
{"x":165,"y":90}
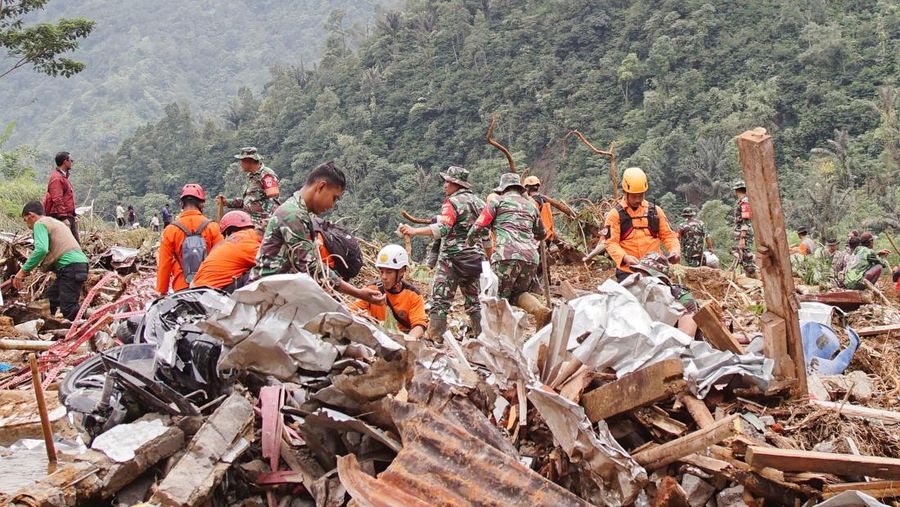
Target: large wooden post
{"x":757,"y":157}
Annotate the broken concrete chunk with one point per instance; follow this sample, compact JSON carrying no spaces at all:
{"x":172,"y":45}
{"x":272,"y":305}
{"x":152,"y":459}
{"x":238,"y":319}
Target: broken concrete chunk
{"x":698,"y":491}
{"x":192,"y":479}
{"x":731,"y":497}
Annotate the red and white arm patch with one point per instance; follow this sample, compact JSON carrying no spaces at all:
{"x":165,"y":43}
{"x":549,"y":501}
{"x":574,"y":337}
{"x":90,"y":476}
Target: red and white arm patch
{"x":270,"y":185}
{"x":448,"y":214}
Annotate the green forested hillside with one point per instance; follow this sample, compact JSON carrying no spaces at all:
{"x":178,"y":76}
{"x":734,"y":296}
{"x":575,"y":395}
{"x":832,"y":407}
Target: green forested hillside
{"x":144,"y":54}
{"x":669,"y":82}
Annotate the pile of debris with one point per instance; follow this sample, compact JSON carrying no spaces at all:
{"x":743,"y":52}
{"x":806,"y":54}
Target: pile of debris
{"x":279,"y":395}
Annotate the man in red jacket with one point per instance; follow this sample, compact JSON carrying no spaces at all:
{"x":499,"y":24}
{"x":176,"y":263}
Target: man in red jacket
{"x":59,"y":202}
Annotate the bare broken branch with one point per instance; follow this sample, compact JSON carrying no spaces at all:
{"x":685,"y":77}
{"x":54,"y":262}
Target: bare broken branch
{"x":495,"y":144}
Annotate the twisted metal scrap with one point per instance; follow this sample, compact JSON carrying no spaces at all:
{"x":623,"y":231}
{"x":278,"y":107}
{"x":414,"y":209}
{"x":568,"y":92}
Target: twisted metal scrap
{"x":495,"y":144}
{"x":608,"y":154}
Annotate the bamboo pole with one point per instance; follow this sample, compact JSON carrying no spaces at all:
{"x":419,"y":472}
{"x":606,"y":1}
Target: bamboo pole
{"x":42,"y":408}
{"x":35,"y":345}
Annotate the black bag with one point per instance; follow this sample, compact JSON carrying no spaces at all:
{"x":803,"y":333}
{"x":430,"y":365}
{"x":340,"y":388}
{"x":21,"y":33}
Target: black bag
{"x":341,"y":246}
{"x":467,"y":264}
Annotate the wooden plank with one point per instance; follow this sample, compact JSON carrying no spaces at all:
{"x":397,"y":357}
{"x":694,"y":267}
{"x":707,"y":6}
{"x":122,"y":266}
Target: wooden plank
{"x":34,"y":345}
{"x":568,"y":292}
{"x":809,"y":461}
{"x":757,"y":157}
{"x":709,"y":320}
{"x":657,"y":418}
{"x":674,"y":450}
{"x":847,"y":409}
{"x":774,"y":332}
{"x":875,"y":489}
{"x":648,"y":385}
{"x":847,"y":300}
{"x":876,"y":330}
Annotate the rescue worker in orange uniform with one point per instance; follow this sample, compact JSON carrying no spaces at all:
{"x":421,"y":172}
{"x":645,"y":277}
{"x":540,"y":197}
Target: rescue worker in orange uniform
{"x":533,"y":185}
{"x":637,"y":227}
{"x":228,"y":265}
{"x":171,"y":267}
{"x":403,"y":299}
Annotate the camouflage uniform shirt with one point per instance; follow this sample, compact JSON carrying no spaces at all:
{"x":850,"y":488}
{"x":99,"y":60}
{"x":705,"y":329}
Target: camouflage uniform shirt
{"x":458,"y":213}
{"x":517,"y":227}
{"x":288,"y":245}
{"x":692,"y":235}
{"x":260,"y":196}
{"x":743,"y":224}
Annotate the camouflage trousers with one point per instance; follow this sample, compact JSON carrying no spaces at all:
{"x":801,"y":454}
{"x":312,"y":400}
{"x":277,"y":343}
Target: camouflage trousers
{"x":745,"y":256}
{"x":516,"y":277}
{"x":443,"y":289}
{"x":693,"y":261}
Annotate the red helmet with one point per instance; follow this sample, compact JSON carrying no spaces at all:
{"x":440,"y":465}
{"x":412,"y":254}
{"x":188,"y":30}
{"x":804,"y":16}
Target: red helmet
{"x":237,"y":219}
{"x":193,"y":190}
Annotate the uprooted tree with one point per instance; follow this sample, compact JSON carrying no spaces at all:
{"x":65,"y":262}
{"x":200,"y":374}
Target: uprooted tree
{"x":41,"y":45}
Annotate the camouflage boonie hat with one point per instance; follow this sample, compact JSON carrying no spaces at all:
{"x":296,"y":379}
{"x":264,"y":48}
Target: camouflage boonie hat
{"x":458,"y":175}
{"x":653,"y":264}
{"x":249,"y":152}
{"x":688,"y":211}
{"x":739,"y":184}
{"x":509,"y":180}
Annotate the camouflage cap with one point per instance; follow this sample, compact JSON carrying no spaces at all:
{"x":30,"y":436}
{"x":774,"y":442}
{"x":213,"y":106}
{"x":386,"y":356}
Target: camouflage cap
{"x":688,"y":211}
{"x":248,"y":152}
{"x":508,"y":180}
{"x":832,"y":242}
{"x":653,"y":264}
{"x":802,"y":230}
{"x":739,"y":184}
{"x":458,"y":175}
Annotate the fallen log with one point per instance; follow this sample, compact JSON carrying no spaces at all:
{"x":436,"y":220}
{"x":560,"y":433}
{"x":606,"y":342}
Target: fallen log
{"x":698,"y":410}
{"x":709,"y":320}
{"x":670,"y":452}
{"x":810,"y":461}
{"x":648,"y":385}
{"x":32,"y":345}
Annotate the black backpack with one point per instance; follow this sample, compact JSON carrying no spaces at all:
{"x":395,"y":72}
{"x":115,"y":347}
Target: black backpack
{"x":626,"y":223}
{"x":342,"y":247}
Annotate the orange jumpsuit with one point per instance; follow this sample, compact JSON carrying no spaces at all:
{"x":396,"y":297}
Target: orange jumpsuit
{"x":640,"y":242}
{"x":229,"y":260}
{"x":168,"y":266}
{"x":408,"y":308}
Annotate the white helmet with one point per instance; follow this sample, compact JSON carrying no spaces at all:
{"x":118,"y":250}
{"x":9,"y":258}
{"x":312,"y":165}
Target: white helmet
{"x":392,"y":257}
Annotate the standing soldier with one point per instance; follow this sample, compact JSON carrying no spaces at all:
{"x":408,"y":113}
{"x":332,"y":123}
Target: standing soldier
{"x":459,"y":264}
{"x":743,"y":229}
{"x":261,"y":193}
{"x":692,"y":237}
{"x":518,"y":228}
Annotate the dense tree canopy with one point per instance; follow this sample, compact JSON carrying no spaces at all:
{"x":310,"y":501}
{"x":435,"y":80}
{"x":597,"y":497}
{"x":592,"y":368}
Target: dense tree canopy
{"x":40,"y":45}
{"x":669,"y":83}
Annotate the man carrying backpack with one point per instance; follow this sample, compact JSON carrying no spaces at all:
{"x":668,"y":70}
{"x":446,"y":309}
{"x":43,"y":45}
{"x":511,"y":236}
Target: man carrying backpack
{"x":402,"y":298}
{"x":289,"y":246}
{"x":638,"y":228}
{"x":185,"y":242}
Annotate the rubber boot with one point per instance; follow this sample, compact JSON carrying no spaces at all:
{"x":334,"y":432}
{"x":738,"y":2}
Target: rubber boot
{"x":475,"y":323}
{"x":528,"y":302}
{"x":437,"y":326}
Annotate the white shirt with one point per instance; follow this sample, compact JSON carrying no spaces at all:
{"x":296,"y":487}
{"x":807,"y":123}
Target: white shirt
{"x":120,"y":212}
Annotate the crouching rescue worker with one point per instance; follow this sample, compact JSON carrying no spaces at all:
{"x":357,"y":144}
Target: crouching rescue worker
{"x":289,"y":246}
{"x":401,"y":298}
{"x":228,"y":266}
{"x":57,"y":250}
{"x":185,"y":242}
{"x":865,"y":264}
{"x":637,"y":228}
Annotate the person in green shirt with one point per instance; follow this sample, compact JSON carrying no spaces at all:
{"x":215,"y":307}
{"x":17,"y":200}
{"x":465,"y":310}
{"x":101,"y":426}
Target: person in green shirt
{"x":57,"y":250}
{"x":865,"y":264}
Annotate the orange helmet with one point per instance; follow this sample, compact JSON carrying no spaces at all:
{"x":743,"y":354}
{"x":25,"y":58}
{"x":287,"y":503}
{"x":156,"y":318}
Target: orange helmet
{"x":531,"y":181}
{"x":237,"y":218}
{"x":193,"y":190}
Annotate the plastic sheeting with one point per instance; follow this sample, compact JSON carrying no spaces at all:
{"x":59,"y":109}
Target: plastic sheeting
{"x":613,"y":330}
{"x":822,"y":349}
{"x":275,"y":323}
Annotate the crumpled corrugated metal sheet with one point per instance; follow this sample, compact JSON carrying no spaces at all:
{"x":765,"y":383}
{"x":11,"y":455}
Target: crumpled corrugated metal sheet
{"x":618,"y":333}
{"x":443,"y":464}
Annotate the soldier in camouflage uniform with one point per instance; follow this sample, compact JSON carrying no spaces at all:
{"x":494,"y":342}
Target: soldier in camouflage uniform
{"x":518,"y":228}
{"x":743,"y":229}
{"x":261,"y":193}
{"x":692,"y":236}
{"x":288,"y":245}
{"x":459,"y":264}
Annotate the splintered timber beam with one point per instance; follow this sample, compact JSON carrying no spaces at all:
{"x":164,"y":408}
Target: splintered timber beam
{"x":789,"y":460}
{"x":670,"y":452}
{"x":709,"y":320}
{"x":495,"y":144}
{"x":648,"y":385}
{"x":757,"y":157}
{"x":611,"y":155}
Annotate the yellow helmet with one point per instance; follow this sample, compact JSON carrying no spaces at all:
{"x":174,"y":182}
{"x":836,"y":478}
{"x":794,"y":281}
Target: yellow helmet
{"x":531,"y":180}
{"x":634,"y":181}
